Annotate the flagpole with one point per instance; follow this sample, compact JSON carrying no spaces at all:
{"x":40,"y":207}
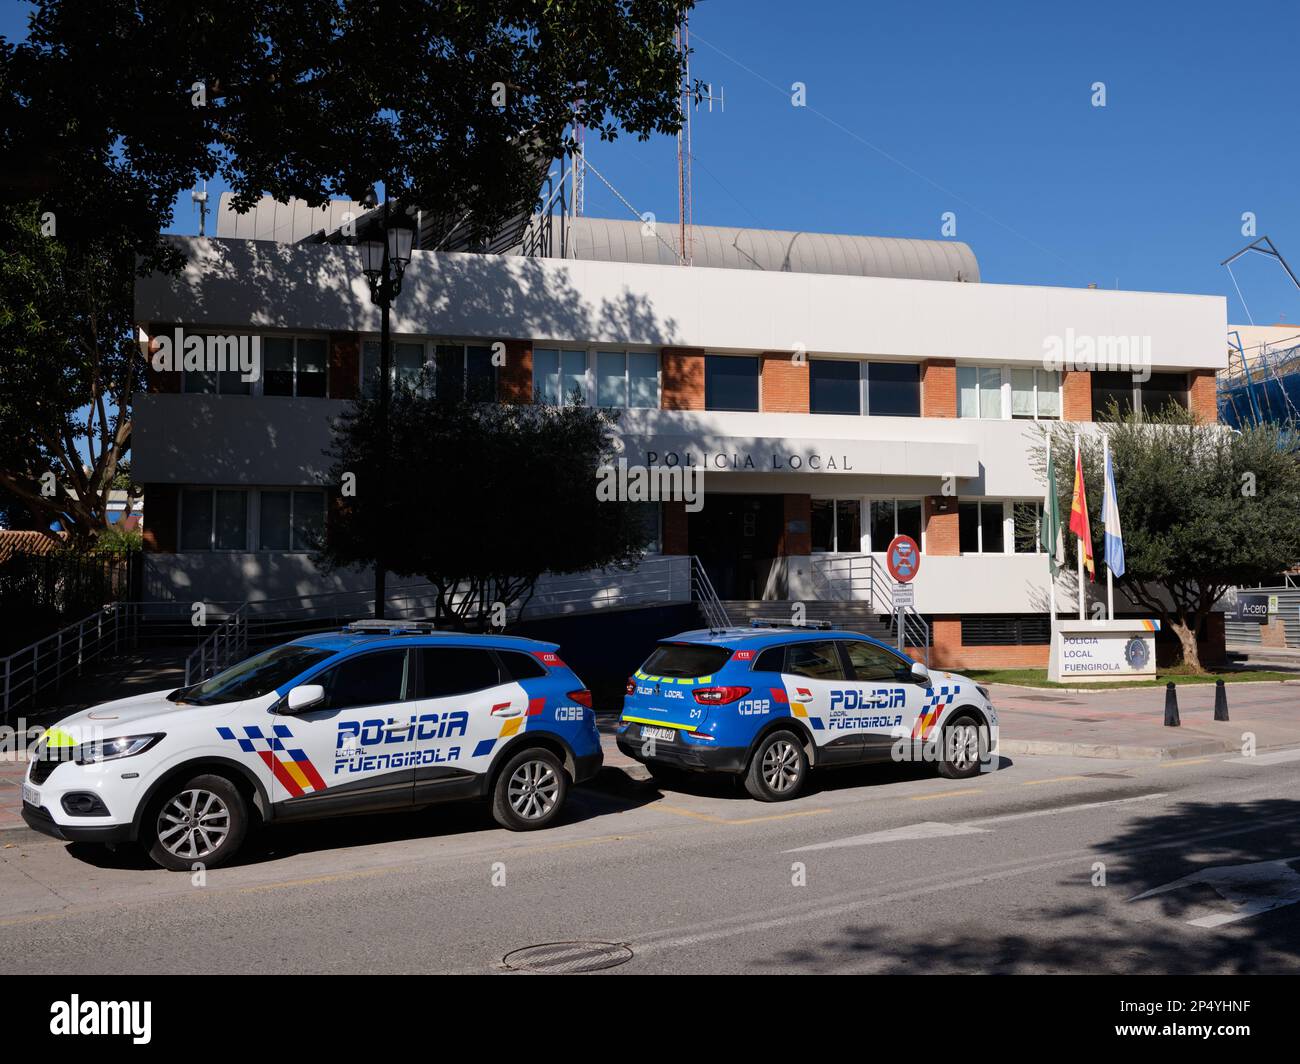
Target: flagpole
{"x":1047,"y":504}
{"x":1078,"y":538}
{"x":1105,"y":488}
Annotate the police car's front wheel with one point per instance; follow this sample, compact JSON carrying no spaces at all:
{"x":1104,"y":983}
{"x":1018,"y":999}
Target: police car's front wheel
{"x":199,"y":822}
{"x":778,"y":768}
{"x":963,"y":749}
{"x":529,"y":791}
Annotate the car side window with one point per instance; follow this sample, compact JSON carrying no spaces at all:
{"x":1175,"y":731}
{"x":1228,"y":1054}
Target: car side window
{"x":771,"y":660}
{"x":366,"y":680}
{"x":520,"y":666}
{"x":818,"y":661}
{"x":870,"y":663}
{"x":447,"y":671}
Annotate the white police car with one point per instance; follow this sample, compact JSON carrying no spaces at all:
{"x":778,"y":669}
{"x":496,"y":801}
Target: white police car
{"x":378,"y":717}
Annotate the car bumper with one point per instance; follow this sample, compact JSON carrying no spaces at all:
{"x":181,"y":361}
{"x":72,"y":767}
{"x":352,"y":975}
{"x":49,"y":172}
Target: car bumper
{"x":38,"y":819}
{"x":587,"y":766}
{"x":694,"y":757}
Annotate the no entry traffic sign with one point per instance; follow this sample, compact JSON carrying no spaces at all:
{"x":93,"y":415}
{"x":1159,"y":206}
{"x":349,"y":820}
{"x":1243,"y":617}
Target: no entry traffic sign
{"x":903,"y":558}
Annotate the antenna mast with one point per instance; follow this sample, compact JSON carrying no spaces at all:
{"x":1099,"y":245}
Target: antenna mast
{"x":684,"y":238}
{"x":201,"y":202}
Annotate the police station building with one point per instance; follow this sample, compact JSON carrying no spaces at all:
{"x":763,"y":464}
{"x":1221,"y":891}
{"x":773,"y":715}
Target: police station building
{"x":836,"y":390}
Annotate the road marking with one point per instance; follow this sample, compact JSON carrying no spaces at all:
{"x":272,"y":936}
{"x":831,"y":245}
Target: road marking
{"x":1280,"y":757}
{"x":1004,"y":818}
{"x":946,"y":794}
{"x":930,"y":829}
{"x":1054,"y":779}
{"x":1182,"y":762}
{"x":1252,"y":888}
{"x":709,"y":818}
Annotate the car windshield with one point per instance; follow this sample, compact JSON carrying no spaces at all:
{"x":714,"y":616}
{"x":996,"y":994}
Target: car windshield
{"x":256,"y":676}
{"x":685,"y":660}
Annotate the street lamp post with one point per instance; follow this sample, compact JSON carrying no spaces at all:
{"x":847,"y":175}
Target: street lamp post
{"x":383,"y":262}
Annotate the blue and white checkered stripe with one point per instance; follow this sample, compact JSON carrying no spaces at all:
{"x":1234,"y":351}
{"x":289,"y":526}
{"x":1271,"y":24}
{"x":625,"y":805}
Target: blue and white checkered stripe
{"x":253,"y":736}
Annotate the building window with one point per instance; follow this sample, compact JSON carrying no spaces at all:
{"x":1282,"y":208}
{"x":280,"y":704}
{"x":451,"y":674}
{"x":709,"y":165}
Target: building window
{"x":834,"y":386}
{"x":981,"y":527}
{"x":464,"y":371}
{"x":294,"y":366}
{"x":1035,"y":394}
{"x":837,"y":526}
{"x":1150,"y":396}
{"x":893,"y":389}
{"x":647,"y":513}
{"x":214,"y":519}
{"x":559,"y":377}
{"x":1025,"y":522}
{"x":979,"y":391}
{"x":291,"y":520}
{"x":223,"y":382}
{"x":627,"y":379}
{"x":893,"y":517}
{"x":730,"y":382}
{"x":408,"y":368}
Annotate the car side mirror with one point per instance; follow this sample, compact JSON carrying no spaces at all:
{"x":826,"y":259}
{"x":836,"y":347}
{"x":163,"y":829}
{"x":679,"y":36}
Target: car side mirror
{"x":919,"y":673}
{"x":304,"y":696}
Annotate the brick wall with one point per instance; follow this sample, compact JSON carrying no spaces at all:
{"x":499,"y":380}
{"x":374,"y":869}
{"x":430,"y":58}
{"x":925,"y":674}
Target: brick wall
{"x":941,"y":529}
{"x":682,"y":371}
{"x":796,"y":525}
{"x":948,"y":652}
{"x":344,"y":366}
{"x":1076,"y":395}
{"x":515,"y":378}
{"x":1201,"y":398}
{"x":939,"y":387}
{"x":673,"y":528}
{"x":159,"y":533}
{"x":782,"y":384}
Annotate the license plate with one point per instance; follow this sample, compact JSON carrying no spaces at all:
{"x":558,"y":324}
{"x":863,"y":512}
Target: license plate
{"x":31,"y":795}
{"x":659,"y":735}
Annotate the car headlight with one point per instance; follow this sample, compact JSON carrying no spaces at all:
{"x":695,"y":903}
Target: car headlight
{"x":112,"y":749}
{"x":985,"y":692}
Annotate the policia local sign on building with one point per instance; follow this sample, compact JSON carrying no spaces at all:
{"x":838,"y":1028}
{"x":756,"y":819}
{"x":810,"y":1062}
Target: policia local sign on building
{"x":1103,"y":650}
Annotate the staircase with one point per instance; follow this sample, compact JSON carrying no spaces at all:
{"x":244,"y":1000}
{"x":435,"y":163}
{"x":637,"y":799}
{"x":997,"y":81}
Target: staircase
{"x":851,"y":616}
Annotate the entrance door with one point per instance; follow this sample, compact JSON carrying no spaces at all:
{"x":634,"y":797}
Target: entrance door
{"x":736,"y":538}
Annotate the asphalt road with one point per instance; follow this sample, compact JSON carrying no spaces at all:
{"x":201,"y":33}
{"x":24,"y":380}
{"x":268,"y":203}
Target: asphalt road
{"x":881,"y":869}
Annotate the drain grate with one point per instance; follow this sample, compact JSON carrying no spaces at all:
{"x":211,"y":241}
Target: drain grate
{"x":567,"y":958}
{"x":1089,"y":720}
{"x":1109,"y":775}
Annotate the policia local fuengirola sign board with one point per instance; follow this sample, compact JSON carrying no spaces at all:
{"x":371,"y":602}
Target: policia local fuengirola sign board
{"x":1103,"y":650}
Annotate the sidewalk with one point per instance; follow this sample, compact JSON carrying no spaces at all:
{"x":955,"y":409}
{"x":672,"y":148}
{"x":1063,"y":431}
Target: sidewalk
{"x":1130,"y":723}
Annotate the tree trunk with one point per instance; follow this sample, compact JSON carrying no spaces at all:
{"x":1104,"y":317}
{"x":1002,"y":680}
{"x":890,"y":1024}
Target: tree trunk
{"x":1187,"y":638}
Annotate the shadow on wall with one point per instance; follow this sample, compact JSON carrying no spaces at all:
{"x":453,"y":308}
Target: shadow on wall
{"x":242,"y":284}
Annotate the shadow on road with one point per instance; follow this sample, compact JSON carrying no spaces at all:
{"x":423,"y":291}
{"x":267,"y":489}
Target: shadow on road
{"x":1102,"y":928}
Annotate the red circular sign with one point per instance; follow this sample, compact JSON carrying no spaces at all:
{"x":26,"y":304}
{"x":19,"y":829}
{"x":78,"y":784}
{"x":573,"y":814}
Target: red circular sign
{"x":903,"y":558}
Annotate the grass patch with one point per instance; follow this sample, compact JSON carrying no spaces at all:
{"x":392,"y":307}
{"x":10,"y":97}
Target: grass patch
{"x":1179,"y":675}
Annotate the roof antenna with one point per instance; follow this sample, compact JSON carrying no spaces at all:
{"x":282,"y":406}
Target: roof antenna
{"x":201,"y":202}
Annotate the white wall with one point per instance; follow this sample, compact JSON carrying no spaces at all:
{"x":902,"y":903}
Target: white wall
{"x":242,"y":283}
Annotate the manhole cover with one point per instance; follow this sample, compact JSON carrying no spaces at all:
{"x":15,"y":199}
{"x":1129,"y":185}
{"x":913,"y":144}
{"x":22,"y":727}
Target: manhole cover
{"x":567,"y":958}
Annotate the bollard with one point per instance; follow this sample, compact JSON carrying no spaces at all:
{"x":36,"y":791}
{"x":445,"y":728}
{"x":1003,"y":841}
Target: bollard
{"x":1171,"y":706}
{"x":1220,"y":701}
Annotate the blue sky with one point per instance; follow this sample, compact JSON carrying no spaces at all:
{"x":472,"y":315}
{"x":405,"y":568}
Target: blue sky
{"x":986,"y":111}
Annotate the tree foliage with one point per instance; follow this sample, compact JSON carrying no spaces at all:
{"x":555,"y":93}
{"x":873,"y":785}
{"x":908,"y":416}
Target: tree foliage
{"x":1203,"y":509}
{"x":479,"y":499}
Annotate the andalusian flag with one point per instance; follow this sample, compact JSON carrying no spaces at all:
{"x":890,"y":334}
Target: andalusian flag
{"x":1079,"y":517}
{"x":1049,"y":531}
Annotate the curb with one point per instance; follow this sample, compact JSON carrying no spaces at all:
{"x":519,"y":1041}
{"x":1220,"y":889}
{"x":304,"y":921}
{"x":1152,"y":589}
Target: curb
{"x":1114,"y":751}
{"x":1123,"y":690}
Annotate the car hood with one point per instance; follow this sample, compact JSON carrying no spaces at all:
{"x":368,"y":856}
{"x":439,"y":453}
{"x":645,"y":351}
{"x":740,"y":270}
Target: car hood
{"x":127,"y":716}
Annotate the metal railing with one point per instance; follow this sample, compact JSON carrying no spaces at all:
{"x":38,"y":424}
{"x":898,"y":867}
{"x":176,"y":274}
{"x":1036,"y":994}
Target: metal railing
{"x":225,"y":646}
{"x":715,"y":613}
{"x":43,"y":665}
{"x":862,"y":578}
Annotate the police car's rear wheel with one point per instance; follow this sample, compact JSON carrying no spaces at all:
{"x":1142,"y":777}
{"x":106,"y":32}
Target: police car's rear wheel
{"x":200,"y":822}
{"x":960,"y":757}
{"x":530,"y":790}
{"x":778,"y":768}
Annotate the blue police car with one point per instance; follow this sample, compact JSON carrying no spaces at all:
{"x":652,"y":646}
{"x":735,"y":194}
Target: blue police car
{"x":770,"y":702}
{"x":380,"y":716}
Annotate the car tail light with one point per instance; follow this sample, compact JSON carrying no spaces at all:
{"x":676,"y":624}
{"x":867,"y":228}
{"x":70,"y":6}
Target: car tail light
{"x":631,"y":685}
{"x":582,"y":696}
{"x":719,"y":696}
